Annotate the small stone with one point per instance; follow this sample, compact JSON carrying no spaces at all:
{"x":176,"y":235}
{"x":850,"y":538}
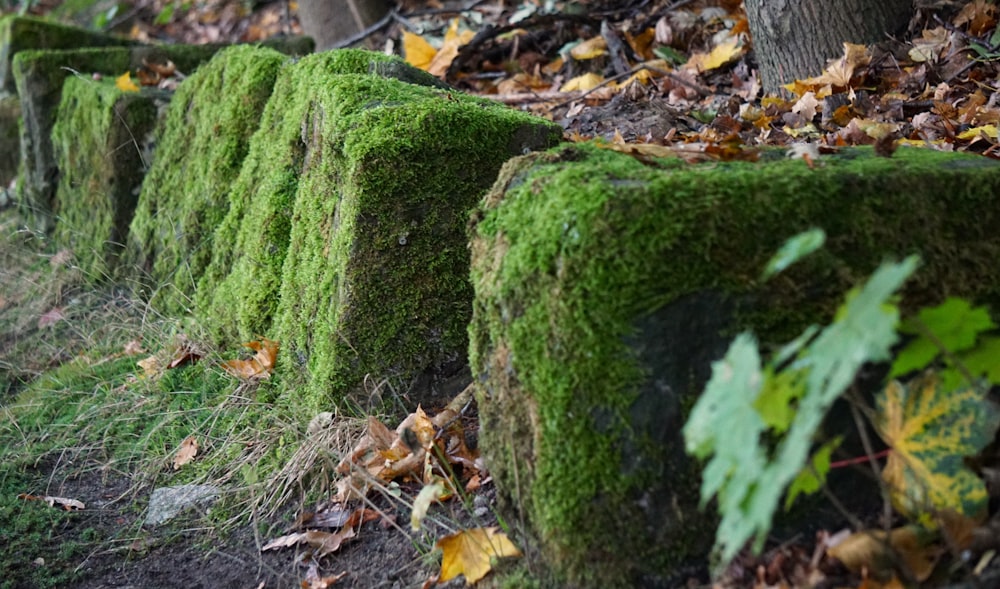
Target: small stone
{"x":167,"y":503}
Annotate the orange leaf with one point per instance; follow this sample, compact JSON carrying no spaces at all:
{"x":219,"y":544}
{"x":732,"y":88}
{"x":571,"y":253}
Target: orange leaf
{"x":258,"y":367}
{"x":186,"y":452}
{"x":468,"y":552}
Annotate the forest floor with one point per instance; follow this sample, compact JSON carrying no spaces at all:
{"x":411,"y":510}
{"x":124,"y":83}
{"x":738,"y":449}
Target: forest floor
{"x":651,"y":79}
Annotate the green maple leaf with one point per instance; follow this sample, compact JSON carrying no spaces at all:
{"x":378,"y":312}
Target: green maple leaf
{"x":954,"y":323}
{"x":930,"y":431}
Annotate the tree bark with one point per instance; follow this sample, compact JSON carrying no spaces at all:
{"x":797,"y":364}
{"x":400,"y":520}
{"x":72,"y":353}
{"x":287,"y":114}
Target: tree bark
{"x":329,"y":21}
{"x":793,"y":39}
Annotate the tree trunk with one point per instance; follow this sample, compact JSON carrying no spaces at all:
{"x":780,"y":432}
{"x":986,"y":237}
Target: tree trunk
{"x":793,"y":39}
{"x":330,"y":21}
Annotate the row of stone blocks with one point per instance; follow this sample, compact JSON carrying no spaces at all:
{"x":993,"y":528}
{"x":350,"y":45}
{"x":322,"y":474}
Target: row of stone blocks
{"x":325,"y":203}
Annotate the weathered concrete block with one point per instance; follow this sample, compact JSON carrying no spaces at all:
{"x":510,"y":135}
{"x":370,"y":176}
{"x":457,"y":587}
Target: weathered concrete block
{"x":39,"y":76}
{"x":19,"y":33}
{"x":604,"y":288}
{"x":200,"y":149}
{"x":102,"y":142}
{"x":345,"y":238}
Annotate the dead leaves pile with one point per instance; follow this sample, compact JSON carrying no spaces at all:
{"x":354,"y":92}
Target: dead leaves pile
{"x":935,"y":91}
{"x":425,"y":450}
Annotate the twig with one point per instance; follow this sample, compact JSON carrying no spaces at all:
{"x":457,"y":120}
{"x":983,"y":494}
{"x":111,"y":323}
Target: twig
{"x":361,"y":35}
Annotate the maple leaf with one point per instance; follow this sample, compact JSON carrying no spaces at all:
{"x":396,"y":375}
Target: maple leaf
{"x":954,"y":325}
{"x":930,"y":431}
{"x":258,"y":367}
{"x":186,"y":453}
{"x":469,"y":552}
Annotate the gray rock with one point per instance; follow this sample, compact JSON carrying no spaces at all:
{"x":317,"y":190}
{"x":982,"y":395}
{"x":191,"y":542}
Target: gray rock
{"x":167,"y":503}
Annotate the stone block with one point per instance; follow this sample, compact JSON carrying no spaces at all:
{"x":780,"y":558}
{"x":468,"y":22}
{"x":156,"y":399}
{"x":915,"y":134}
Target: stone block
{"x":102,"y":138}
{"x":345,"y":237}
{"x":10,"y":120}
{"x":605,"y":287}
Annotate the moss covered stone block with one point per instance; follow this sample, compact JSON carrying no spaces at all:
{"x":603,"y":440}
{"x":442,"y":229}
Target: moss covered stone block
{"x":19,"y":33}
{"x":10,"y":118}
{"x":345,"y":237}
{"x":39,"y":76}
{"x":200,"y":150}
{"x":102,"y":138}
{"x":604,"y":288}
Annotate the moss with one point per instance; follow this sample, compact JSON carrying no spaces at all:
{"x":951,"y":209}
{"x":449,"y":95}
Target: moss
{"x":243,"y":300}
{"x":201,"y":148}
{"x":100,"y":139}
{"x":10,"y":120}
{"x":19,"y":33}
{"x":364,"y":188}
{"x":575,"y":248}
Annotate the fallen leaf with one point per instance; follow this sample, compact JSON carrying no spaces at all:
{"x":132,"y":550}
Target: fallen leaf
{"x":67,"y":504}
{"x":322,"y":542}
{"x":878,"y":553}
{"x":469,"y":552}
{"x":584,"y":82}
{"x":258,"y":367}
{"x":133,"y":347}
{"x":125,"y":84}
{"x":150,"y":365}
{"x":186,"y":452}
{"x":453,"y":40}
{"x":429,"y":494}
{"x":51,"y":317}
{"x":417,"y":51}
{"x":723,"y":53}
{"x":589,"y":49}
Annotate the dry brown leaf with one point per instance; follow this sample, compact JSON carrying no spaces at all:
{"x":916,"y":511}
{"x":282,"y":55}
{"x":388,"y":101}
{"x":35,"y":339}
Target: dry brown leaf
{"x":322,"y":542}
{"x":258,"y":367}
{"x":67,"y":504}
{"x":876,"y":552}
{"x":186,"y":452}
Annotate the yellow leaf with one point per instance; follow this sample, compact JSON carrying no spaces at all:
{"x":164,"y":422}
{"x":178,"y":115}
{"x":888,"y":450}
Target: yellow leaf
{"x":468,"y":552}
{"x":589,"y":49}
{"x":930,"y":430}
{"x":453,"y":40}
{"x":125,"y":84}
{"x":720,"y":56}
{"x":584,"y":82}
{"x":418,"y":52}
{"x":429,"y":494}
{"x":186,"y":453}
{"x":988,"y":130}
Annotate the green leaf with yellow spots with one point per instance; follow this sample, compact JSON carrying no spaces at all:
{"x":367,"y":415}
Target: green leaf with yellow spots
{"x":931,"y":430}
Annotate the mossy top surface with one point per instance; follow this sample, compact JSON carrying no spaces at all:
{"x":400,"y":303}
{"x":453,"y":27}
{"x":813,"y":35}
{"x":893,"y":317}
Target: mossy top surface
{"x":574,"y":246}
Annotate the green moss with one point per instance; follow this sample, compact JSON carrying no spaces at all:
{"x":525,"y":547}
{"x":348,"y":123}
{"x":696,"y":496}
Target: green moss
{"x":19,"y":33}
{"x":201,"y":147}
{"x":100,"y":139}
{"x":363,"y":184}
{"x":575,"y":248}
{"x":10,"y":120}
